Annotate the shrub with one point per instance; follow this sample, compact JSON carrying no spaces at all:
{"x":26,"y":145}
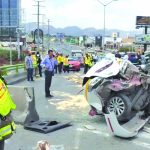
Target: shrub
{"x":126,"y":49}
{"x":5,"y":56}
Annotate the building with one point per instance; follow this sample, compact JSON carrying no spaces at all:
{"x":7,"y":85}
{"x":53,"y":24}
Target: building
{"x":9,"y":19}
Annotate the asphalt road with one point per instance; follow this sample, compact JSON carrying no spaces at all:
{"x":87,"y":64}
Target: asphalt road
{"x":67,"y":106}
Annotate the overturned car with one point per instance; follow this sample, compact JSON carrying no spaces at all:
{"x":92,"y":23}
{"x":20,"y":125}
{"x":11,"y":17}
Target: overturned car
{"x":120,"y":88}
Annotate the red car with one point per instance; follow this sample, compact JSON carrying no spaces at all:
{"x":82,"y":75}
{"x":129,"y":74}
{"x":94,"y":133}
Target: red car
{"x":74,"y":64}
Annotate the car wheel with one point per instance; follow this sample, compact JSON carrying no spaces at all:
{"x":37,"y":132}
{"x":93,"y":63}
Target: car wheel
{"x":120,"y":104}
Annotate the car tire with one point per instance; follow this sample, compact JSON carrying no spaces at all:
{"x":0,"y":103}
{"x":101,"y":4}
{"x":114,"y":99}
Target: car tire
{"x":121,"y":105}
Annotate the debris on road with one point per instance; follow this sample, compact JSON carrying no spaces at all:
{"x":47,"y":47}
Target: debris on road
{"x":75,"y":78}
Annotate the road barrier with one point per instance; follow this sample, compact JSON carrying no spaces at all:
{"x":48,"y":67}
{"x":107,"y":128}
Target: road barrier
{"x":14,"y":73}
{"x":7,"y":68}
{"x":26,"y":113}
{"x":25,"y":100}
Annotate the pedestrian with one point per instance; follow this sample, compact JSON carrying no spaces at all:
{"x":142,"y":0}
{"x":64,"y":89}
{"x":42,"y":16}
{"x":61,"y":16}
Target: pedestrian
{"x":66,"y":64}
{"x":56,"y":64}
{"x":138,"y":56}
{"x":39,"y":60}
{"x":90,"y":61}
{"x":86,"y":63}
{"x":35,"y":67}
{"x":7,"y":126}
{"x":29,"y":66}
{"x":48,"y":63}
{"x":60,"y":63}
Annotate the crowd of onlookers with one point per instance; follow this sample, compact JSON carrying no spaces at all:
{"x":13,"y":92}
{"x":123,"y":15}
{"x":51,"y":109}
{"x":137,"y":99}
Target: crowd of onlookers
{"x":34,"y":59}
{"x":62,"y":61}
{"x":136,"y":58}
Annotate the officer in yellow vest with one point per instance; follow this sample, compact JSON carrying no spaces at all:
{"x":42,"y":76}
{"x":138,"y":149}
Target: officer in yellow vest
{"x":34,"y":58}
{"x":86,"y":63}
{"x":66,"y":64}
{"x":7,"y":126}
{"x":60,"y":62}
{"x":90,"y":61}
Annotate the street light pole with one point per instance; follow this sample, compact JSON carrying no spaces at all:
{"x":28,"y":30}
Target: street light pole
{"x":104,"y":30}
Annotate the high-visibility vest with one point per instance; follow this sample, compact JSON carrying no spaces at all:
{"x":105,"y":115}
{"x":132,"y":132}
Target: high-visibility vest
{"x":7,"y":131}
{"x":90,"y":61}
{"x":86,"y":60}
{"x":34,"y":60}
{"x":6,"y":105}
{"x":66,"y":63}
{"x":62,"y":59}
{"x":59,"y":59}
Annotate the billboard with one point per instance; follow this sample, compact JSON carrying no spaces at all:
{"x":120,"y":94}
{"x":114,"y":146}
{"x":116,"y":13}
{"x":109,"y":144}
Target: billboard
{"x":143,"y":39}
{"x":142,"y":20}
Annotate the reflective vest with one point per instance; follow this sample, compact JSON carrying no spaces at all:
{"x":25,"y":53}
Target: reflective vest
{"x":34,"y":60}
{"x":7,"y":126}
{"x":90,"y":62}
{"x":7,"y":131}
{"x":66,"y":63}
{"x":62,"y":59}
{"x":59,"y":58}
{"x":86,"y":60}
{"x":6,"y":103}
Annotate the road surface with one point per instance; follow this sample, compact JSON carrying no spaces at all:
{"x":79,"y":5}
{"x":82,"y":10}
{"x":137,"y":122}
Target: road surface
{"x":67,"y":106}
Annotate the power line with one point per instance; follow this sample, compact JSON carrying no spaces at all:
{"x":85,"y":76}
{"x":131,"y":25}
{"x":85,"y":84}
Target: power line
{"x":38,"y":20}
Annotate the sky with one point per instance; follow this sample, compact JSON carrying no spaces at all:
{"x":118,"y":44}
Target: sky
{"x":120,"y":14}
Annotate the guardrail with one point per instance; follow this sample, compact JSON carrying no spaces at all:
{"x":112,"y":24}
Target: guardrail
{"x":7,"y":68}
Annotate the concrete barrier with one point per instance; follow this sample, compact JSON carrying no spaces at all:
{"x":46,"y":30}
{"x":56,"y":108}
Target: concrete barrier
{"x":25,"y":100}
{"x":15,"y":78}
{"x":26,"y":113}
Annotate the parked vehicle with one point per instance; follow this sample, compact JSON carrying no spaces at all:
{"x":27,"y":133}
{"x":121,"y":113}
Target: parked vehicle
{"x":119,"y":88}
{"x":74,"y":64}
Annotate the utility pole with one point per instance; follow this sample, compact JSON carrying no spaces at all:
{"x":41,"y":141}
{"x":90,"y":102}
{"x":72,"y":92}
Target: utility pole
{"x":38,"y":22}
{"x":48,"y":34}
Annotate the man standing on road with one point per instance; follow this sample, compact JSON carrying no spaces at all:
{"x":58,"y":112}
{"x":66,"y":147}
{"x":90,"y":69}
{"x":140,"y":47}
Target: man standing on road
{"x":29,"y":66}
{"x":48,"y":63}
{"x":38,"y":57}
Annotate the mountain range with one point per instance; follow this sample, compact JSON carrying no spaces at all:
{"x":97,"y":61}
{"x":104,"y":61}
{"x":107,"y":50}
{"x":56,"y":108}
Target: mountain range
{"x":76,"y":31}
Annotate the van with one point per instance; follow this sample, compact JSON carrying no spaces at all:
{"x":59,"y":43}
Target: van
{"x":76,"y":53}
{"x":79,"y":55}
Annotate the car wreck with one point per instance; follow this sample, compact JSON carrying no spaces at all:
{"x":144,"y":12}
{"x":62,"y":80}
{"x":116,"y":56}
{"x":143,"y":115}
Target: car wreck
{"x":120,"y":92}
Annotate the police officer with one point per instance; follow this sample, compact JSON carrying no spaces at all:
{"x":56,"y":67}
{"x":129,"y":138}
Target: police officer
{"x":7,"y":126}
